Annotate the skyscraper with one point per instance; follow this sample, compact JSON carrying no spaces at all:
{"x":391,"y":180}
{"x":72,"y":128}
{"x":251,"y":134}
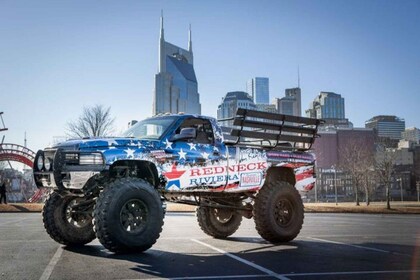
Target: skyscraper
{"x":258,"y":88}
{"x":327,"y":105}
{"x":176,"y":87}
{"x":387,"y":126}
{"x":230,"y":103}
{"x":291,"y":103}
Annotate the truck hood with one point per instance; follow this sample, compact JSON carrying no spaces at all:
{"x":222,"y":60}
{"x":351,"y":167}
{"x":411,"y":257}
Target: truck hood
{"x":105,"y":143}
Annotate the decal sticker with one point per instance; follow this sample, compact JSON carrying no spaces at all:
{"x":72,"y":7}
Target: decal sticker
{"x":160,"y":154}
{"x":251,"y":179}
{"x":173,"y":178}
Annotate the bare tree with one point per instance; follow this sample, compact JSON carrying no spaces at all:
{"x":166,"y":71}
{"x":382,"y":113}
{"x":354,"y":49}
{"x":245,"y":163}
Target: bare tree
{"x":357,"y":159}
{"x":385,"y":168}
{"x":369,"y":180}
{"x":95,"y":121}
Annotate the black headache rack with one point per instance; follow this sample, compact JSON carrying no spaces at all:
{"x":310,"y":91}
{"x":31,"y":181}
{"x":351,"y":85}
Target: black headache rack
{"x":273,"y":131}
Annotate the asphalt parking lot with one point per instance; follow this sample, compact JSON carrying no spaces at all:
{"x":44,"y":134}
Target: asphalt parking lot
{"x":330,"y":246}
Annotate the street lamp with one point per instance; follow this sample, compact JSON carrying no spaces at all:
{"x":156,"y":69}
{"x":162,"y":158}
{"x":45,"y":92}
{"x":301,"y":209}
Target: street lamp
{"x":335,"y":184}
{"x":418,"y":189}
{"x":400,"y":181}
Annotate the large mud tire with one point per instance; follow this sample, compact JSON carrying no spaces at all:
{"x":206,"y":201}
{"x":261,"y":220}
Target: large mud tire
{"x":128,"y":216}
{"x":278,"y":212}
{"x":64,"y":227}
{"x":219,"y":223}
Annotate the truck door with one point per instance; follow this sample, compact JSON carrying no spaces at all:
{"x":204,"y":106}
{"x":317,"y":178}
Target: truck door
{"x":195,"y":156}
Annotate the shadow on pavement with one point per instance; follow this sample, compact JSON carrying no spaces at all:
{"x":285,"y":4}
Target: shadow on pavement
{"x":289,"y":258}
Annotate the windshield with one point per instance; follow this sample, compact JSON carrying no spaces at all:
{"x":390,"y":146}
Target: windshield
{"x":150,"y":128}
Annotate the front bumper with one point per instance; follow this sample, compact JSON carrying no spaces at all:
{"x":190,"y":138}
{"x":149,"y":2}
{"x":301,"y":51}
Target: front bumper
{"x":64,"y":170}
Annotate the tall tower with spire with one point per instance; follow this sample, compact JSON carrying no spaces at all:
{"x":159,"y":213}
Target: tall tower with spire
{"x":176,"y":86}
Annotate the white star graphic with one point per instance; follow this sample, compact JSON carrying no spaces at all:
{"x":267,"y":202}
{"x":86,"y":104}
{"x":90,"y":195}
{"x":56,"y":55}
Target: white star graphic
{"x":130,"y":153}
{"x":139,"y":144}
{"x":168,"y":144}
{"x":205,"y":155}
{"x":192,"y":146}
{"x":181,"y":154}
{"x":215,"y":149}
{"x":112,"y":142}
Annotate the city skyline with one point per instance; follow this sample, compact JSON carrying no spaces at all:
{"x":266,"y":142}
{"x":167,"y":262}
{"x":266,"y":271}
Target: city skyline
{"x":58,"y":57}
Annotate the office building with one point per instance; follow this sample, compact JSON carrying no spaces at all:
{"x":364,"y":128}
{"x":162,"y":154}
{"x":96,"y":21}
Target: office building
{"x":329,"y":147}
{"x":270,"y":108}
{"x":327,"y":105}
{"x":230,"y":103}
{"x":387,"y":126}
{"x":176,"y":86}
{"x":411,"y":134}
{"x":290,"y":104}
{"x":258,"y":89}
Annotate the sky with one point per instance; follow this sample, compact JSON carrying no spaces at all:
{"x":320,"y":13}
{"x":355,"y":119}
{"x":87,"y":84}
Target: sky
{"x":58,"y":56}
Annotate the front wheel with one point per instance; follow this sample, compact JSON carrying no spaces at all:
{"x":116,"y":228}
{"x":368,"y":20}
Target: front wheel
{"x":64,"y":224}
{"x":218,"y":222}
{"x":128,"y":215}
{"x":278,"y":212}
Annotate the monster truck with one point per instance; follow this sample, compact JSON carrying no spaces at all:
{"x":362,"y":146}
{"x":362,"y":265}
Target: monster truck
{"x":116,"y":189}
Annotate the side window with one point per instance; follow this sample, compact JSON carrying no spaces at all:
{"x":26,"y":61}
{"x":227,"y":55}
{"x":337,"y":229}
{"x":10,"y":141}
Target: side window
{"x":204,"y":130}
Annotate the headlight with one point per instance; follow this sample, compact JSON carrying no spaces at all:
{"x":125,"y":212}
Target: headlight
{"x":91,"y":159}
{"x":40,"y":162}
{"x":47,"y":164}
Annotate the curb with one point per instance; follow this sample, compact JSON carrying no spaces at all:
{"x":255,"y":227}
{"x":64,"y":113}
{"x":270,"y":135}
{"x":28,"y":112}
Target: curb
{"x":308,"y":207}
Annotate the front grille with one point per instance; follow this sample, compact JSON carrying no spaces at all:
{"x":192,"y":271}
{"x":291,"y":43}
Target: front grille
{"x":71,"y":158}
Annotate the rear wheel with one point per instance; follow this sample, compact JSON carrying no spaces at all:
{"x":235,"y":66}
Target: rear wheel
{"x":128,"y":216}
{"x":218,"y":222}
{"x":65,"y":225}
{"x":278,"y":212}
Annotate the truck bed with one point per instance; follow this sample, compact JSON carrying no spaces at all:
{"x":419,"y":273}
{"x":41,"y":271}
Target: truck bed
{"x":272,"y":131}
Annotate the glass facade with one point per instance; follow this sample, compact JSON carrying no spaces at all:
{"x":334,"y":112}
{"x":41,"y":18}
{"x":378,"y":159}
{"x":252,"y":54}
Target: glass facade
{"x":327,"y":105}
{"x":183,"y":76}
{"x":290,"y":104}
{"x":258,"y":88}
{"x":387,"y":126}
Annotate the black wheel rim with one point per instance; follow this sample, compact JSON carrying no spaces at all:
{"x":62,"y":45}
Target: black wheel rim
{"x":283,"y":212}
{"x":133,"y":216}
{"x":223,"y":216}
{"x":74,"y":218}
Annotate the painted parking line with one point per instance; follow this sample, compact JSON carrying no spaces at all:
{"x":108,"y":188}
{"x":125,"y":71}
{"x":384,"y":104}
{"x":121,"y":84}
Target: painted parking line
{"x":256,"y":266}
{"x":350,"y":245}
{"x":359,"y":247}
{"x":257,"y":276}
{"x":50,"y":267}
{"x":353,"y":273}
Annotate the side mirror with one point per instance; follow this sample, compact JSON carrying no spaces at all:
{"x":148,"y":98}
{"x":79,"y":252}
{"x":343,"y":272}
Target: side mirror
{"x":185,"y":134}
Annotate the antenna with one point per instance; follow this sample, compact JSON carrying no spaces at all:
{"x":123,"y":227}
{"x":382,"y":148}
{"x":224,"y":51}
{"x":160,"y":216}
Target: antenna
{"x":25,"y":141}
{"x":161,"y":25}
{"x":189,"y":39}
{"x":298,"y":77}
